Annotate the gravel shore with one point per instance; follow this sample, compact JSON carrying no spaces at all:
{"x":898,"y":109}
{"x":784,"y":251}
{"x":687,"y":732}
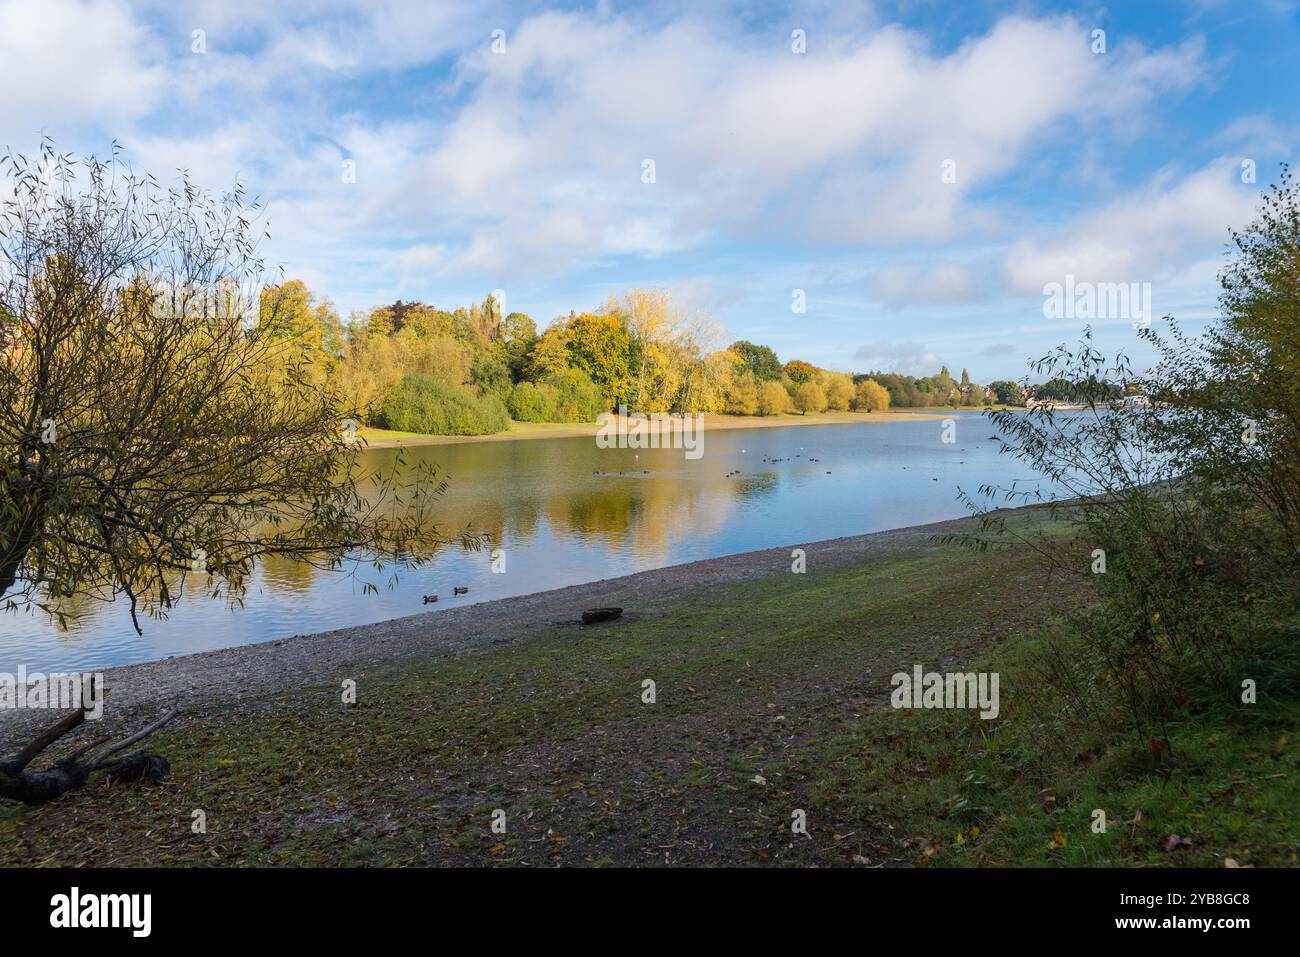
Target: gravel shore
{"x":257,"y":675}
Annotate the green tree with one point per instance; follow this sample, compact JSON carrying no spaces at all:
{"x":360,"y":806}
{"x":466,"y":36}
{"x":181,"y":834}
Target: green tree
{"x":518,"y":334}
{"x":760,"y":361}
{"x":1007,"y":392}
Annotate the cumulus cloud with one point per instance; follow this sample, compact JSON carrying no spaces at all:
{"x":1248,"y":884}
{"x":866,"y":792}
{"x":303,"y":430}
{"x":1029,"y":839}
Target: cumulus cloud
{"x":69,"y":61}
{"x":844,"y":147}
{"x":528,"y":163}
{"x":1152,"y":234}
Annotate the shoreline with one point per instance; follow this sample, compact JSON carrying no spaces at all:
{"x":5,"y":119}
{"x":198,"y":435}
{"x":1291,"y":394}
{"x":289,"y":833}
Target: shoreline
{"x":258,"y":675}
{"x":713,"y":422}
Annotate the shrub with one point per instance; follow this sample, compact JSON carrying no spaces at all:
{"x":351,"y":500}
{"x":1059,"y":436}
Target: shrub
{"x":421,"y":403}
{"x":578,"y":398}
{"x":1189,"y":504}
{"x":534,"y":402}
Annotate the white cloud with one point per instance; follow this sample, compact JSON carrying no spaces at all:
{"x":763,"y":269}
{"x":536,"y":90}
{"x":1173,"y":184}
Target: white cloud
{"x":842,"y":147}
{"x":1152,"y":234}
{"x":528,"y":163}
{"x":905,"y":358}
{"x":903,"y":284}
{"x":67,"y":62}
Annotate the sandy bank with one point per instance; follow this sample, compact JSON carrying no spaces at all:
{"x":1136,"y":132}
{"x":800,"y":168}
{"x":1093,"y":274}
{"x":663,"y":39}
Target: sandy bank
{"x":712,"y":423}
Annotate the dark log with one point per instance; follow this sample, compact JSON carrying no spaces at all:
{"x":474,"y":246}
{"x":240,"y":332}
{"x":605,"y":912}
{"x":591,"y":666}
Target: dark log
{"x":20,"y":783}
{"x":593,"y":615}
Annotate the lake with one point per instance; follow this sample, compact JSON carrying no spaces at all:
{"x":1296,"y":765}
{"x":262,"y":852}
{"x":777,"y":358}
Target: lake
{"x":565,"y":511}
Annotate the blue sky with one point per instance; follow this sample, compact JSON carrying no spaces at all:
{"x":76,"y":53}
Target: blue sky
{"x":520,"y":168}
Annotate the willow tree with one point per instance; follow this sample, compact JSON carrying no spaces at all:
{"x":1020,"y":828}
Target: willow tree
{"x":158,"y":423}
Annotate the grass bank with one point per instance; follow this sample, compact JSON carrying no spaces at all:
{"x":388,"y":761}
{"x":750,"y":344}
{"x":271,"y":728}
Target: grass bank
{"x":771,"y":696}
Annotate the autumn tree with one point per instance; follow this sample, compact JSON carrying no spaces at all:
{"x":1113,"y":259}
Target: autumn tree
{"x":549,"y":353}
{"x":601,"y":346}
{"x":798,"y":371}
{"x":154,"y":430}
{"x":870,"y":396}
{"x":808,"y":397}
{"x":772,"y":399}
{"x":838,"y":388}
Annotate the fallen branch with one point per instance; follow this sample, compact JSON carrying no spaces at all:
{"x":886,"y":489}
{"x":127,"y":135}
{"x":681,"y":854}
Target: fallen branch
{"x":19,"y":783}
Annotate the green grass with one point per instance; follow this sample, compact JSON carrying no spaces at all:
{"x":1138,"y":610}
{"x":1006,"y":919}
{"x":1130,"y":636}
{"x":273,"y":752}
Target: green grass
{"x":783,"y":681}
{"x":1225,"y":788}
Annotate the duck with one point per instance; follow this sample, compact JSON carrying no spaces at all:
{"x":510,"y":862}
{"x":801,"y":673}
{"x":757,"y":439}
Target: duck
{"x":461,"y":590}
{"x":430,"y":598}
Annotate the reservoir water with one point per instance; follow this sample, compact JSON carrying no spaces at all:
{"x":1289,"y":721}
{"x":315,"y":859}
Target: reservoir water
{"x":565,"y":511}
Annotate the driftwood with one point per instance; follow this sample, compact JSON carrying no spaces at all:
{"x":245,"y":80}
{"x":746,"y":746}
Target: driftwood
{"x":593,"y":615}
{"x":19,"y":783}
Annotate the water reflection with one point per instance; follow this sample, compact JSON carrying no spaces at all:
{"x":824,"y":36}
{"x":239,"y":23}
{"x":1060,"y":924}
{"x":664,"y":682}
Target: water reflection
{"x":566,"y":511}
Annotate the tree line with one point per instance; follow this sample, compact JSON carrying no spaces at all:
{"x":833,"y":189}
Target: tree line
{"x":413,"y":367}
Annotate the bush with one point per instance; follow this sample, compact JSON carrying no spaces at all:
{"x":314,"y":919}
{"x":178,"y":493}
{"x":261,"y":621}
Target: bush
{"x":534,"y":402}
{"x":578,"y":398}
{"x":421,"y":403}
{"x":1188,"y":507}
{"x":490,"y":374}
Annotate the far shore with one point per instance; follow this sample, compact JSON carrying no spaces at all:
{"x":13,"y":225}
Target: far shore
{"x":385,"y":439}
